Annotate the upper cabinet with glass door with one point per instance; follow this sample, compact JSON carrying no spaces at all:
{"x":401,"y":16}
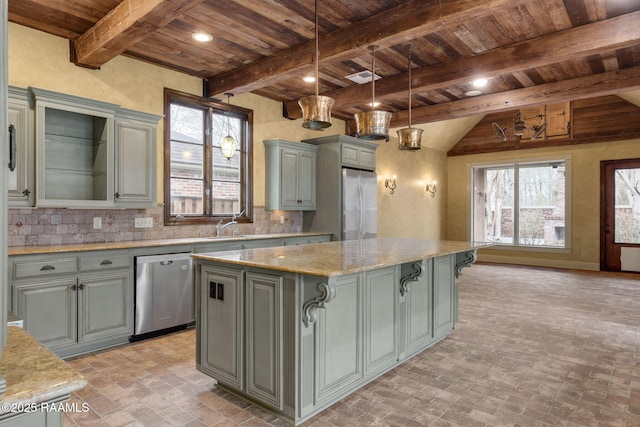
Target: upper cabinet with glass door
{"x":20,"y":180}
{"x":74,"y":151}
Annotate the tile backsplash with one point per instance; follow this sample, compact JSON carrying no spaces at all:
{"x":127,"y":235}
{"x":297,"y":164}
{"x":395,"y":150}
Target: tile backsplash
{"x":53,"y":226}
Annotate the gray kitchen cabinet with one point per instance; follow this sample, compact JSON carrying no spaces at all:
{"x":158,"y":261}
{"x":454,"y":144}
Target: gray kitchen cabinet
{"x":290,"y":175}
{"x":416,"y":308}
{"x":264,"y":338}
{"x":20,"y":180}
{"x":221,"y":325}
{"x":74,"y":303}
{"x":335,"y":152}
{"x":443,"y":295}
{"x":339,"y":364}
{"x":74,"y":150}
{"x":135,"y":158}
{"x":380,"y":320}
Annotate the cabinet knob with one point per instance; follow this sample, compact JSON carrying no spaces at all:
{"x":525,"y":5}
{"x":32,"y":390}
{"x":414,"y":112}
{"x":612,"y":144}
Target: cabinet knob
{"x":26,"y":193}
{"x":117,"y":195}
{"x":81,"y":286}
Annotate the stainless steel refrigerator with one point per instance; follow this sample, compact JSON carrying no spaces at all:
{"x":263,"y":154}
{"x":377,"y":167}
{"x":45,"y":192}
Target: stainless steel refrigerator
{"x":359,"y":204}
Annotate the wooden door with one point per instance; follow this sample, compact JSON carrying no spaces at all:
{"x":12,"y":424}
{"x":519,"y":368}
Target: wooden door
{"x":619,"y":215}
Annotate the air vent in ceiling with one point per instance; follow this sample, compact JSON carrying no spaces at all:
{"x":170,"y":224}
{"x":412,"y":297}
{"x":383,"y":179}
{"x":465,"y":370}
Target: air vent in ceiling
{"x":362,"y":77}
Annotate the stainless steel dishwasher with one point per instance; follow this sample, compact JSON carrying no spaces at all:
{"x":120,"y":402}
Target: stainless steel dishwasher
{"x":163,"y":294}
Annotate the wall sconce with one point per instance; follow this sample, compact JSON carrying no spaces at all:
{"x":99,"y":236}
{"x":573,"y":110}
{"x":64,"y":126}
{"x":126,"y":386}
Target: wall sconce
{"x":431,"y":188}
{"x":390,"y":183}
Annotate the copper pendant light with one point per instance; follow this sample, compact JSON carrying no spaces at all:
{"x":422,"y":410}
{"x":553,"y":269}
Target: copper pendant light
{"x":409,"y":138}
{"x":316,"y":109}
{"x":374,"y":124}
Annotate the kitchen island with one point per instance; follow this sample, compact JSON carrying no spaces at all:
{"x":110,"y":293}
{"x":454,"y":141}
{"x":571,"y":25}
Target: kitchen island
{"x":294,"y":329}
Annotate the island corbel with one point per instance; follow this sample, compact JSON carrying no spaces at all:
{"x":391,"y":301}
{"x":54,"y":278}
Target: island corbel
{"x":310,"y":308}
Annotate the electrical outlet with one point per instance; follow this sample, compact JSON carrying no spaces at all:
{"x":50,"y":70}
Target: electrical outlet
{"x":144,"y":223}
{"x":281,"y":219}
{"x":97,"y":223}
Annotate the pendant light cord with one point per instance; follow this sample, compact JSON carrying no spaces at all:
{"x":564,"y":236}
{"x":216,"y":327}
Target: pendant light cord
{"x":317,"y":48}
{"x":373,"y":78}
{"x":409,"y":67}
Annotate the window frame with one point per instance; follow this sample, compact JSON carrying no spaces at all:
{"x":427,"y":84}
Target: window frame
{"x":209,"y":105}
{"x":516,"y":164}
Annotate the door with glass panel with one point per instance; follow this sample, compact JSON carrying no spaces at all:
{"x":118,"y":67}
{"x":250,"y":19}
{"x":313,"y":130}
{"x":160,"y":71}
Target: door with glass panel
{"x":620,"y":215}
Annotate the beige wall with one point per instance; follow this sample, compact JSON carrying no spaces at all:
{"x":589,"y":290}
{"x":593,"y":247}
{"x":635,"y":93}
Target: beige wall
{"x":42,"y":60}
{"x":585,"y":198}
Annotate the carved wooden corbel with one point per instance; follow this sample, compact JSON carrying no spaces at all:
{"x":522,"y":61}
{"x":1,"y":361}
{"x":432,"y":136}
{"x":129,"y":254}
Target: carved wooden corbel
{"x":310,"y":308}
{"x":412,"y":277}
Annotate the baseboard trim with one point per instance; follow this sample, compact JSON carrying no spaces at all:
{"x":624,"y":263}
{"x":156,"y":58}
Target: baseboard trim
{"x":559,"y":263}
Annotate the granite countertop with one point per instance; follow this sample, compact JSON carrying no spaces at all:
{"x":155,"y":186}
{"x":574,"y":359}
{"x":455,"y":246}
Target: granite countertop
{"x":342,"y":257}
{"x":129,"y":244}
{"x":33,"y":373}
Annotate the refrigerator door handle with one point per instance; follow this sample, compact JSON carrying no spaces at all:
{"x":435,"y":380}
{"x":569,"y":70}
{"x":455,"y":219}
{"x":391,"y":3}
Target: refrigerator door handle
{"x":361,"y":219}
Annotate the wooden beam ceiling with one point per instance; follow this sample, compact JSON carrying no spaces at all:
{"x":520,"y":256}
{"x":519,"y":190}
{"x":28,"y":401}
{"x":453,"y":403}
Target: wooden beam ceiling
{"x":394,"y":26}
{"x":608,"y":83}
{"x":124,"y":26}
{"x":579,"y":42}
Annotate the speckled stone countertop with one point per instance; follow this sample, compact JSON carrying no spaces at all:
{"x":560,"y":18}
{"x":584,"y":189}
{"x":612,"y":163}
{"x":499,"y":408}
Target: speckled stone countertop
{"x":34,"y":373}
{"x":343,"y":257}
{"x":129,"y":244}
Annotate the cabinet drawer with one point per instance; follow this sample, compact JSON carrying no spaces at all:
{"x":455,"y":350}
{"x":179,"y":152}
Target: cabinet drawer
{"x":35,"y":268}
{"x":105,"y":262}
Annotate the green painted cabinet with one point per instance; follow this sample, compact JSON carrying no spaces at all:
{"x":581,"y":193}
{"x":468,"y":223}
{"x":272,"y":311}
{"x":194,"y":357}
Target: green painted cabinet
{"x":221,"y":325}
{"x":416,"y":307}
{"x":443,"y":295}
{"x":290,"y":175}
{"x":74,"y":303}
{"x":20,"y":176}
{"x":135,"y":158}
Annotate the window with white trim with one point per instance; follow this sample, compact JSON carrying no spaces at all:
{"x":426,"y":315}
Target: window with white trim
{"x":522,"y":204}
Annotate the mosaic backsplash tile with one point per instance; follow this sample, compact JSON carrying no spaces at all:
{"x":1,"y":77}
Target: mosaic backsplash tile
{"x":54,"y":226}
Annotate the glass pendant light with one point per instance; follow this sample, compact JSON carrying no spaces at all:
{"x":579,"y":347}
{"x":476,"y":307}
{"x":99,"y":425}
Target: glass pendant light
{"x":373,"y":124}
{"x":409,"y":138}
{"x":228,"y":145}
{"x":316,"y":109}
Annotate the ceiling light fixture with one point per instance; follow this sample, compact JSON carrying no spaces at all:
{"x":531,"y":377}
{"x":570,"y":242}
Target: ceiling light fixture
{"x":519,"y":127}
{"x":480,"y":82}
{"x":228,"y":145}
{"x":409,"y":138}
{"x":373,"y":124}
{"x":316,"y":109}
{"x":309,"y":79}
{"x":202,"y":37}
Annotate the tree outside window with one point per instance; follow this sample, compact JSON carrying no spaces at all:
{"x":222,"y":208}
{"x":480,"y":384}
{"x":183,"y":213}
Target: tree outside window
{"x":526,"y":200}
{"x":201,"y":184}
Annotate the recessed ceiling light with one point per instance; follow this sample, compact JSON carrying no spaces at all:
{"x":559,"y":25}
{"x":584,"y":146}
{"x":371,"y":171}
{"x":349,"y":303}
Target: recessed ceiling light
{"x":473,"y":93}
{"x":480,"y":82}
{"x":202,"y":37}
{"x":309,"y":79}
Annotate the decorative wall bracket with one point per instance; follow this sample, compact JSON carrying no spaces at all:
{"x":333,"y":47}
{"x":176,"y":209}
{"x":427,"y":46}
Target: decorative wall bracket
{"x":310,"y":308}
{"x":465,"y":259}
{"x":412,"y":277}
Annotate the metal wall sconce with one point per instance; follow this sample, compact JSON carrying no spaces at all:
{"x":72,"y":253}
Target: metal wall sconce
{"x":431,"y":188}
{"x":390,"y":183}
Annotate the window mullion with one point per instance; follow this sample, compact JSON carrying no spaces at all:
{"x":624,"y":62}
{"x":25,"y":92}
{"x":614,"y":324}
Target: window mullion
{"x":208,"y":164}
{"x":516,"y":204}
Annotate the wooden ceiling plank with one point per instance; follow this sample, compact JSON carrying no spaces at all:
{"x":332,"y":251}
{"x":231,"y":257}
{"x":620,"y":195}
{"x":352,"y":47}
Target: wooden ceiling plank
{"x":602,"y":36}
{"x":125,"y":25}
{"x":385,"y":29}
{"x":608,"y":83}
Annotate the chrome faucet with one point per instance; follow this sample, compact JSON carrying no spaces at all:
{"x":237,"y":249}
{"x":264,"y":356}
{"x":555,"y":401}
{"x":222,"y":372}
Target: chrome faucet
{"x":220,"y":227}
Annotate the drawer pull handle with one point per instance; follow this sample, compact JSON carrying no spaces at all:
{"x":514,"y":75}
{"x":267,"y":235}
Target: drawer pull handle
{"x":47,"y":267}
{"x":106,"y":262}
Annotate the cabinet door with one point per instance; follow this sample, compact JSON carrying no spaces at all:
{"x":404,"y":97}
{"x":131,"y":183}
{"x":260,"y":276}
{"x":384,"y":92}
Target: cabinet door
{"x":20,"y":180}
{"x":264,"y":338}
{"x":135,"y":163}
{"x":380,"y":320}
{"x":105,"y":305}
{"x":289,"y":179}
{"x":307,"y":180}
{"x":48,"y":310}
{"x":419,"y":308}
{"x":339,"y":340}
{"x":443,"y":295}
{"x":221,"y":324}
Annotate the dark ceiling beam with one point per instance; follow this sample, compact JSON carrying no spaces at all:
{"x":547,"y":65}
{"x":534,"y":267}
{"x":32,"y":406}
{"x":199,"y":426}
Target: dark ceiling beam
{"x":603,"y":36}
{"x":607,"y":83}
{"x":124,"y":26}
{"x":391,"y":27}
